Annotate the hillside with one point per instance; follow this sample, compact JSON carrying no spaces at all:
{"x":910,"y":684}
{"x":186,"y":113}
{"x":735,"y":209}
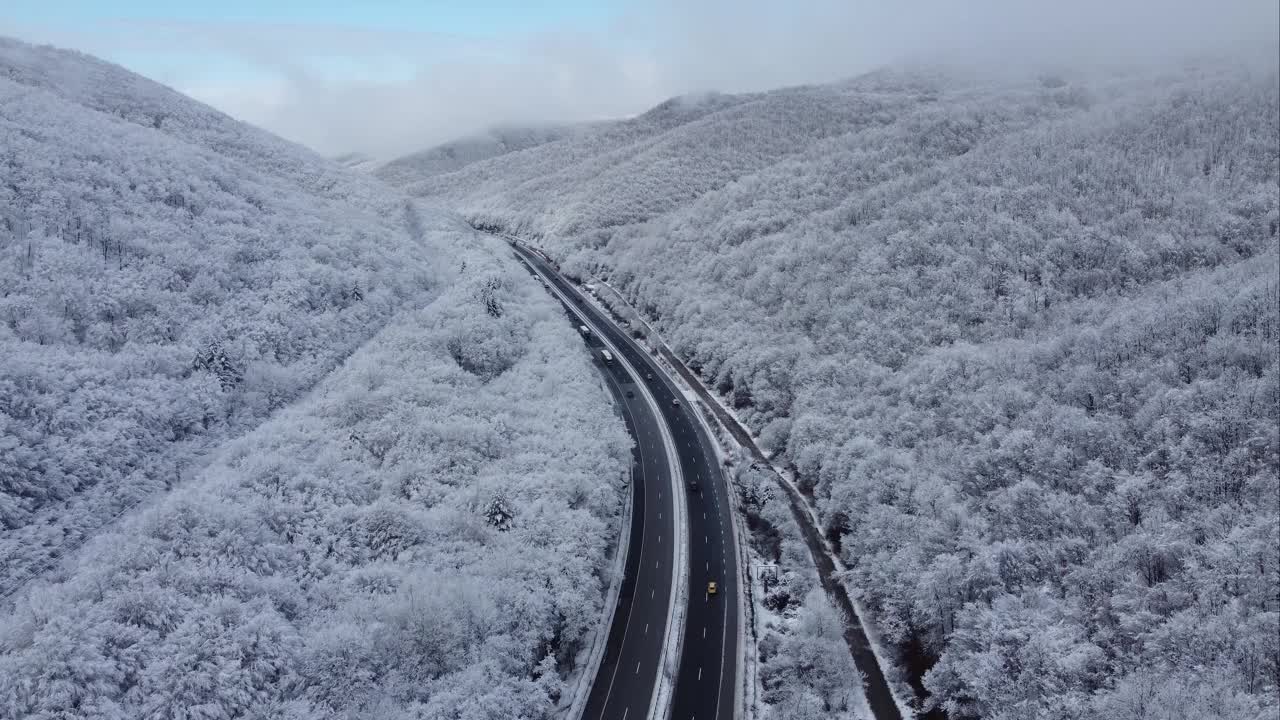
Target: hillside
{"x":456,"y":155}
{"x":356,"y":161}
{"x":423,"y":535}
{"x":372,"y":477}
{"x":169,"y":277}
{"x":1018,"y":339}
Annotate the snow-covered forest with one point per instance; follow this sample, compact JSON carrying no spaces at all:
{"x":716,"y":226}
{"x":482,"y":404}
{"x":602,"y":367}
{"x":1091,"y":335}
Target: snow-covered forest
{"x":375,"y":475}
{"x":805,"y":671}
{"x":167,"y":277}
{"x":455,"y":155}
{"x":1017,"y":336}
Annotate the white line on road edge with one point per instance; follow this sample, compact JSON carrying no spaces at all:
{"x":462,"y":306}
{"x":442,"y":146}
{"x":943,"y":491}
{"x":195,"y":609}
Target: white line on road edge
{"x":669,"y":665}
{"x":784,"y":476}
{"x":669,"y":668}
{"x":599,"y":641}
{"x":738,"y":526}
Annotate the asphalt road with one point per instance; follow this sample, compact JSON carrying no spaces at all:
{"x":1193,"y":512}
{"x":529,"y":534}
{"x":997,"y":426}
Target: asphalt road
{"x":879,"y":697}
{"x":624,"y":684}
{"x":706,"y":683}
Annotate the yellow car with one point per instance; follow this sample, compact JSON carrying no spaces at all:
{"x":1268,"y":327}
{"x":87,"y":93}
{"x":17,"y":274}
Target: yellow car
{"x":712,"y":588}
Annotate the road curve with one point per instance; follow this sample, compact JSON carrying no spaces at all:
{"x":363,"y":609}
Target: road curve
{"x":706,"y":683}
{"x":626,"y":679}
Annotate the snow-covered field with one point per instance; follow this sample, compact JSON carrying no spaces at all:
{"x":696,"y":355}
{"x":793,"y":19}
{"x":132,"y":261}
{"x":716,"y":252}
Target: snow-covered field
{"x":1017,"y":337}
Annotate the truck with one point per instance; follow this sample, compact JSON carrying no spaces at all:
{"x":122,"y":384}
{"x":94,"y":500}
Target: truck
{"x":607,"y":357}
{"x":586,"y":331}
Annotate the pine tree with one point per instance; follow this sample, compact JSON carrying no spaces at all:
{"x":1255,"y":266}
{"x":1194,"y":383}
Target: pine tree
{"x":499,"y":512}
{"x":213,"y":358}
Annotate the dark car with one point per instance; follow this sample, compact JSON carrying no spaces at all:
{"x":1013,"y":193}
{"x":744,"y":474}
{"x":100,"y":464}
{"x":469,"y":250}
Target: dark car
{"x":631,"y":393}
{"x":693,"y":484}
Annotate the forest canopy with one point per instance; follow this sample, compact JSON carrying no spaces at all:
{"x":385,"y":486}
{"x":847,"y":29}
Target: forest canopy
{"x":1017,"y":337}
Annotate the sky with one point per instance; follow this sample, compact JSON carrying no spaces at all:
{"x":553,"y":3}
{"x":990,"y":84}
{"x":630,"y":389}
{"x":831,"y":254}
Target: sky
{"x":387,"y":77}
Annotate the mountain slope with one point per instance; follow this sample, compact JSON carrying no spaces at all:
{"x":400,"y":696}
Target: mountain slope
{"x":458,"y":154}
{"x":423,"y":535}
{"x":377,"y":476}
{"x":1017,"y":338}
{"x":356,"y":161}
{"x":169,"y":276}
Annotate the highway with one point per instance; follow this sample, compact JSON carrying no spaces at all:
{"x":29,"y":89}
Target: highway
{"x":706,"y":684}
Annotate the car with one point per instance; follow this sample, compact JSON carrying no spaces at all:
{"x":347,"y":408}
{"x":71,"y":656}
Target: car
{"x":693,"y":484}
{"x":712,"y":588}
{"x":648,"y":376}
{"x":675,"y":402}
{"x":631,"y":393}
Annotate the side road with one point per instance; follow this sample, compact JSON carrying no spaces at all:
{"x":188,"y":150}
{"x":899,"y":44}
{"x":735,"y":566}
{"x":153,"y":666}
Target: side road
{"x":879,"y":696}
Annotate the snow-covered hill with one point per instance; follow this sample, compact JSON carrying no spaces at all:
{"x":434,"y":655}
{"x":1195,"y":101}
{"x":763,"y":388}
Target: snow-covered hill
{"x":458,"y":154}
{"x":377,"y":479}
{"x":1017,"y":337}
{"x":356,"y":161}
{"x":169,"y":276}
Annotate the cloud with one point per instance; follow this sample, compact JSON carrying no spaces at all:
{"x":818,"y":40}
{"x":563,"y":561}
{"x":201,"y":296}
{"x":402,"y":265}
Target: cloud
{"x":387,"y":92}
{"x":747,"y":44}
{"x":539,"y":81}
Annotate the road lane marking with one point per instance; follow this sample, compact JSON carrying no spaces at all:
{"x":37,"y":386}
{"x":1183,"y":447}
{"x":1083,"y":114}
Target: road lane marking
{"x":644,"y":532}
{"x":584,"y":308}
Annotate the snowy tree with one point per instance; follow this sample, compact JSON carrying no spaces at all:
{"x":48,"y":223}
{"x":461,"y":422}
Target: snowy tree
{"x":1016,"y":337}
{"x":498,"y":512}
